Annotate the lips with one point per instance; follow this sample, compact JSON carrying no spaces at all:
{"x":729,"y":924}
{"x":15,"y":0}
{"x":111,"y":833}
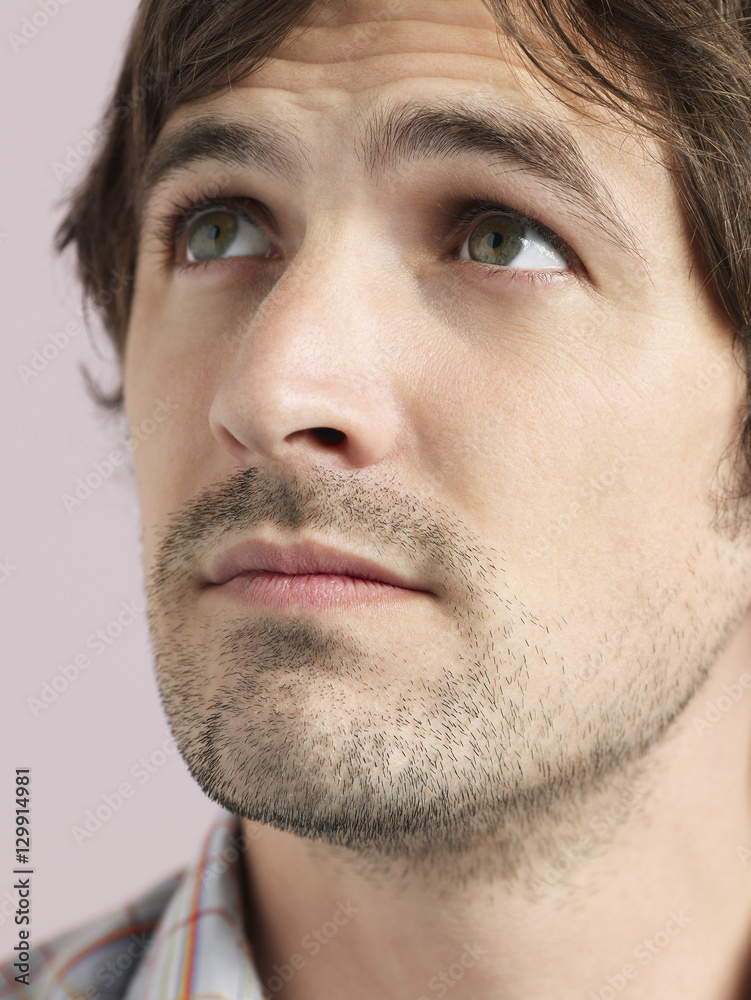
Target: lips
{"x":295,"y":560}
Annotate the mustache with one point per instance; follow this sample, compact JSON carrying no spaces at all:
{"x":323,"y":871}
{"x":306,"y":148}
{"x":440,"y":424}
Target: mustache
{"x":360,"y":509}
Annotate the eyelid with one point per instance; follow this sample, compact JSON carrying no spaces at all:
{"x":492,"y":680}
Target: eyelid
{"x":171,"y":226}
{"x":474,"y":210}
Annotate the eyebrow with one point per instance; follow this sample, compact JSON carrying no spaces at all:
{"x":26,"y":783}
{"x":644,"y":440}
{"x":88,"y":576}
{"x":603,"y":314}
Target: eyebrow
{"x":230,"y":142}
{"x":402,"y":133}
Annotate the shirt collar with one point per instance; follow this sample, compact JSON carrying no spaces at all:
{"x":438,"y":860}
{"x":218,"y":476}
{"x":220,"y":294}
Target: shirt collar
{"x":200,"y":948}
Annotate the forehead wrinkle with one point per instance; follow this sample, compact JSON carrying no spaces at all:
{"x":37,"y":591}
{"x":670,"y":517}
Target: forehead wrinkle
{"x":409,"y":131}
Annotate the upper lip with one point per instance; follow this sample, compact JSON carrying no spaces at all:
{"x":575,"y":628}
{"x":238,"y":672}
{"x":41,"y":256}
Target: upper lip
{"x":251,"y":556}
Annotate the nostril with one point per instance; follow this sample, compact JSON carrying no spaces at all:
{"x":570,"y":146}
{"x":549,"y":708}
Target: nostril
{"x":329,"y":435}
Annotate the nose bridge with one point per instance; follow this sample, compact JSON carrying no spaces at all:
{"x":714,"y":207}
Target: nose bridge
{"x":325,"y":318}
{"x":330,"y":286}
{"x":315,"y":355}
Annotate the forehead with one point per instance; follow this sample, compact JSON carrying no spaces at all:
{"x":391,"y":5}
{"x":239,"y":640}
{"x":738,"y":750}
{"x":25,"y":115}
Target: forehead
{"x":346,"y":59}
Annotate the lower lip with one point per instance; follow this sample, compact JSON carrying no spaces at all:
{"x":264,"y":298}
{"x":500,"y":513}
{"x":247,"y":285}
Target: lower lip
{"x":312,"y":590}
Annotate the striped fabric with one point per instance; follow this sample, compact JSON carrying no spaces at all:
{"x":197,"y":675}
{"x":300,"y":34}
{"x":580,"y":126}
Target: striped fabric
{"x":183,"y":940}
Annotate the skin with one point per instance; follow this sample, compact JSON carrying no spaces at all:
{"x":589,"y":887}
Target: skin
{"x":539,"y":458}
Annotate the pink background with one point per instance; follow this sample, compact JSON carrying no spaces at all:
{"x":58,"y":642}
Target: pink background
{"x":72,"y":569}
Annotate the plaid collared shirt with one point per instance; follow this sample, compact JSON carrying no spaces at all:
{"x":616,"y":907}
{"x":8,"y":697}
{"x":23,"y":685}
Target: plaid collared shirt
{"x":182,"y":940}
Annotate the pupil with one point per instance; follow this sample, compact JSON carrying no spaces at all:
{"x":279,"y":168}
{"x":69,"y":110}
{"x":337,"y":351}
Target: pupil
{"x":498,"y":243}
{"x":213,"y":234}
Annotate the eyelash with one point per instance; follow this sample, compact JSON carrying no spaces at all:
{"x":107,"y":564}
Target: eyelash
{"x":472,"y":212}
{"x":172,"y":227}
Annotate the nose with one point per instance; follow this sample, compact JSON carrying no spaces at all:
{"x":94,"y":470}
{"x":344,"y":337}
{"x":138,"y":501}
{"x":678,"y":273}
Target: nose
{"x":310,"y":381}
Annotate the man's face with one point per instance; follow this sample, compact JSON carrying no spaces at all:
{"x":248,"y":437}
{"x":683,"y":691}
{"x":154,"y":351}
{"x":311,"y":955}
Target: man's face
{"x":532,"y":411}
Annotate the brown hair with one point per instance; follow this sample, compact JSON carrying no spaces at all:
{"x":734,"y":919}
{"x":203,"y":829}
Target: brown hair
{"x":681,"y":69}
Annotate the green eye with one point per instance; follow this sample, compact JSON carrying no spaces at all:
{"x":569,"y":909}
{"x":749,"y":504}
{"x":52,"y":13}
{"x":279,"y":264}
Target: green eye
{"x":224,"y":233}
{"x":502,"y":239}
{"x":212,"y":235}
{"x":496,"y":240}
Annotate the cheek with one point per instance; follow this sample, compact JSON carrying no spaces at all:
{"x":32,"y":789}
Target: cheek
{"x":167,"y":366}
{"x":574,"y":460}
